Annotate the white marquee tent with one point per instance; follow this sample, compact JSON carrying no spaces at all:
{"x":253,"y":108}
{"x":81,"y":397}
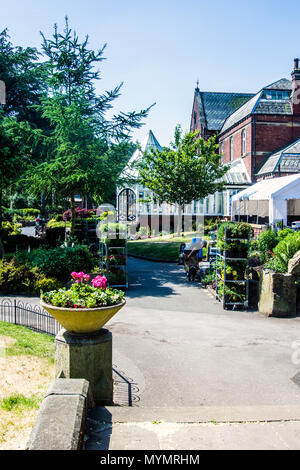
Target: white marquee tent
{"x":273,"y":194}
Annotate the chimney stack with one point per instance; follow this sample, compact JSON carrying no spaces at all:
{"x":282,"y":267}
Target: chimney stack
{"x":295,"y":97}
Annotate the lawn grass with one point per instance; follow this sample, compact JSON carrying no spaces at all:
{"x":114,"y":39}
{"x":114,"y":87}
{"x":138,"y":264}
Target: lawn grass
{"x":28,"y":342}
{"x":19,"y":402}
{"x":164,"y":248}
{"x":26,"y":369}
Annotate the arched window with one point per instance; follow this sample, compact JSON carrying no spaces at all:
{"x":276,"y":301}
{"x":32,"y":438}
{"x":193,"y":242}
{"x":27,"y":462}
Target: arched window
{"x":127,"y":205}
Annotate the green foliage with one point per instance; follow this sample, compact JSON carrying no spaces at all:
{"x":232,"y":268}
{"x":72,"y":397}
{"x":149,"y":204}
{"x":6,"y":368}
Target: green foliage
{"x":283,"y":252}
{"x":187,"y":171}
{"x":234,"y":230}
{"x":60,"y":262}
{"x":30,"y":213}
{"x":19,"y":401}
{"x":281,"y":234}
{"x":23,"y":77}
{"x":236,"y":245}
{"x":233,"y":293}
{"x":9,"y":228}
{"x":267,"y":240}
{"x":45,"y":284}
{"x":84,"y":149}
{"x":234,"y":248}
{"x":209,"y":277}
{"x":53,"y":223}
{"x":16,"y":277}
{"x":83,"y":295}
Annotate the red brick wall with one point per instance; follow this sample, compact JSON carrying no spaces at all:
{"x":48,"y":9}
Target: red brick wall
{"x":236,"y":134}
{"x":272,"y":132}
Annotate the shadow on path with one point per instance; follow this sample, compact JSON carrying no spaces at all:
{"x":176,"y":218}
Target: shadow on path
{"x":154,"y":279}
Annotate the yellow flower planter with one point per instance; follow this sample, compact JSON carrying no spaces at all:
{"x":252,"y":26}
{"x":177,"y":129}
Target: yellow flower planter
{"x":82,"y":320}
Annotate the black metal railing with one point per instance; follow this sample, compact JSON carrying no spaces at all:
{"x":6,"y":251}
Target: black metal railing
{"x":32,"y":316}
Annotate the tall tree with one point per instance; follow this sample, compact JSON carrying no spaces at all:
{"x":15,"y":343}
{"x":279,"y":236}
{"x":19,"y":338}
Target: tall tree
{"x":23,"y":78}
{"x":83,"y":146}
{"x":190,"y":169}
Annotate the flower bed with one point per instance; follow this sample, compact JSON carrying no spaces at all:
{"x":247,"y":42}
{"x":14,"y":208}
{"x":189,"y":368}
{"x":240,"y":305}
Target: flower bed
{"x":84,"y":293}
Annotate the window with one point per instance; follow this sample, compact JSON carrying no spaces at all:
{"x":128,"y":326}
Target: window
{"x":244,"y":142}
{"x":276,"y":95}
{"x":221,"y":151}
{"x":220,"y":203}
{"x":231,"y":148}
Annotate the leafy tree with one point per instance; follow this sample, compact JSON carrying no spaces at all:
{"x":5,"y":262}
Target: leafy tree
{"x":189,"y":170}
{"x":23,"y":78}
{"x":83,"y":149}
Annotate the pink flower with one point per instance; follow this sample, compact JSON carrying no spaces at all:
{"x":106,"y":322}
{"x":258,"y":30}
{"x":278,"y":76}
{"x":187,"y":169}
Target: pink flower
{"x":79,"y":277}
{"x":99,"y":281}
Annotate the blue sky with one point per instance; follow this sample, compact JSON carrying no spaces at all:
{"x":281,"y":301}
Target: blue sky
{"x":160,"y":48}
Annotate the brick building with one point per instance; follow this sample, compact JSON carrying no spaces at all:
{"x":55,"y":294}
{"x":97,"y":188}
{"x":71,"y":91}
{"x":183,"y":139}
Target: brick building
{"x":262,"y":133}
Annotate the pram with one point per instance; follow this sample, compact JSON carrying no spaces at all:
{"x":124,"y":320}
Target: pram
{"x":192,"y":254}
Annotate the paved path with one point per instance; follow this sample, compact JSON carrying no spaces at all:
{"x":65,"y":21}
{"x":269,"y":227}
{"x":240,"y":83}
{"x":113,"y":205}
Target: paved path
{"x":198,"y":428}
{"x":182,"y":349}
{"x":182,"y":361}
{"x":175,"y":348}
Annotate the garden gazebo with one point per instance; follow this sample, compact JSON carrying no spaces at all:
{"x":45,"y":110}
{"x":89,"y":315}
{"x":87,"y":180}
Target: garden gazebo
{"x":276,"y":198}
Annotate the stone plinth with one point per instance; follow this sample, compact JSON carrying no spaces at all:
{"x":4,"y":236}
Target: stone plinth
{"x":86,"y":357}
{"x":278,"y":294}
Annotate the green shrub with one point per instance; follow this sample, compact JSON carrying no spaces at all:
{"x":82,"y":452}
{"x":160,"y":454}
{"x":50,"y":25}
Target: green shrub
{"x":18,"y":277}
{"x":283,"y":252}
{"x":60,"y":262}
{"x":53,"y":223}
{"x":281,"y":234}
{"x":46,"y":284}
{"x":9,"y":228}
{"x":9,"y":214}
{"x":267,"y":241}
{"x":30,"y":212}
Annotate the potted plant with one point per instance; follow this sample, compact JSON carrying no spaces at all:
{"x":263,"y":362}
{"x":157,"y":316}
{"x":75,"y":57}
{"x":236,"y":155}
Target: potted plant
{"x":86,"y":306}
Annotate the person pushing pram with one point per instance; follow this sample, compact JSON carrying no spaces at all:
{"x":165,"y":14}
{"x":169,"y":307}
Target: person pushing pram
{"x":192,"y":254}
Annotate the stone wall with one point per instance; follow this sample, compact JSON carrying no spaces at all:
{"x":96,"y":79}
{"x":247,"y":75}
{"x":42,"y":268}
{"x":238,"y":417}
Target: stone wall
{"x":60,"y":424}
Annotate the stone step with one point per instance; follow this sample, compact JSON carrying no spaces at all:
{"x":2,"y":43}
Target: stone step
{"x":190,"y":428}
{"x":201,"y":414}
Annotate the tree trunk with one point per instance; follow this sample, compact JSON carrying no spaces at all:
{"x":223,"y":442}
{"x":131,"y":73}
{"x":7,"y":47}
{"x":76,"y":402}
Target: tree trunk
{"x":179,"y":220}
{"x":73,"y":215}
